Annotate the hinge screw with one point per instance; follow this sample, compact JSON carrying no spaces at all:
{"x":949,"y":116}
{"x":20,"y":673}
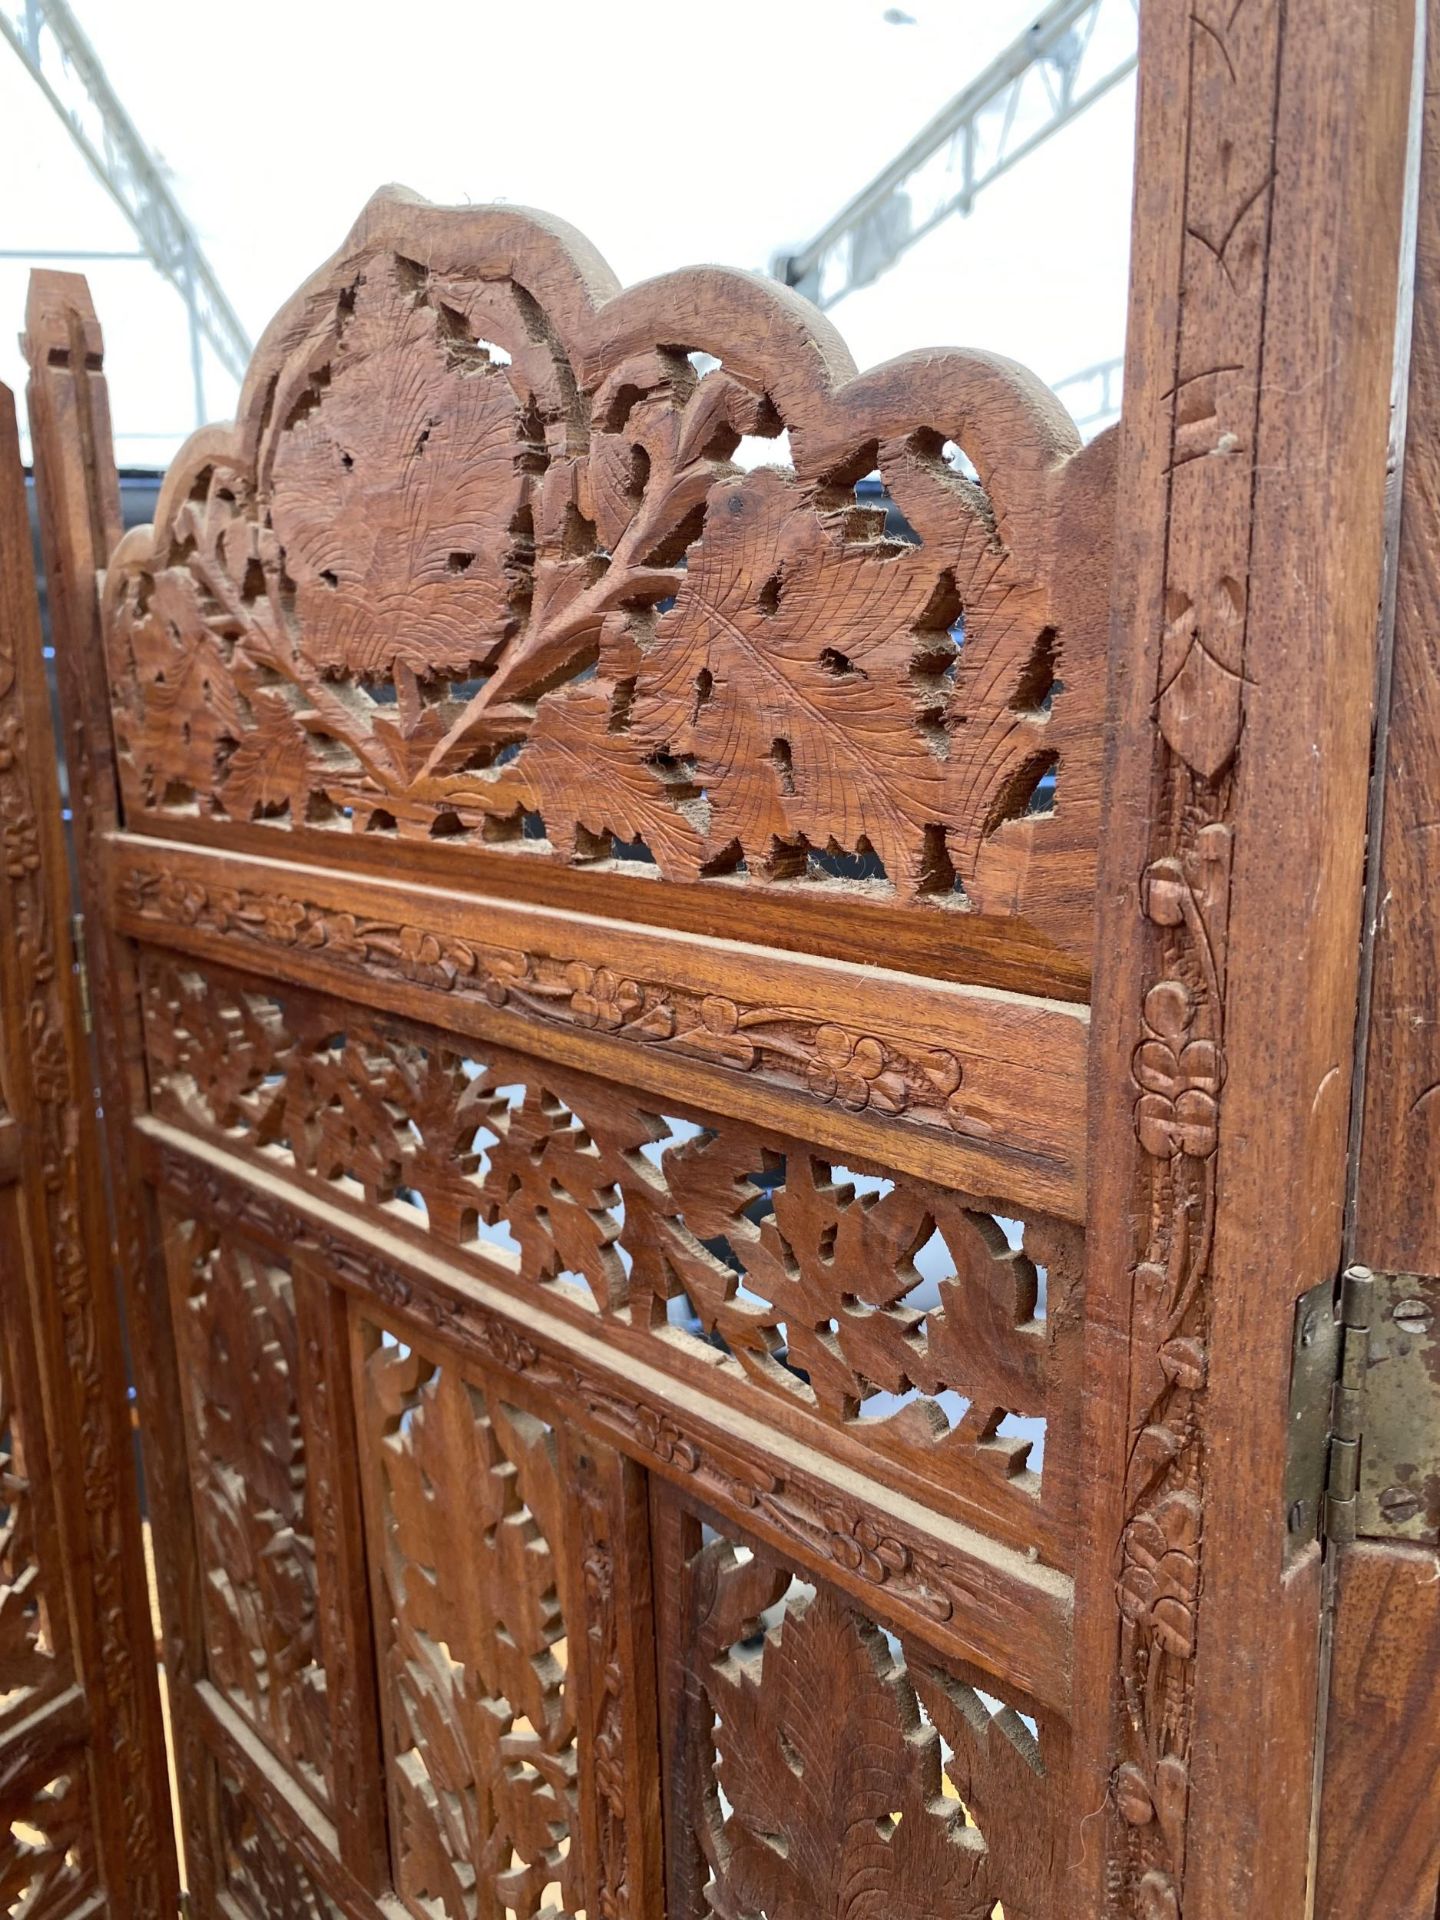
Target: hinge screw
{"x":1412,"y":1315}
{"x":1399,"y":1504}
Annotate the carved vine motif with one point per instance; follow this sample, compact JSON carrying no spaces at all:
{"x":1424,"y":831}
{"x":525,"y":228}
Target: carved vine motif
{"x":854,"y":1069}
{"x":481,"y":1734}
{"x":798,"y":1277}
{"x":1178,"y":1064}
{"x":235,"y":1324}
{"x":606,"y":1728}
{"x":47,"y":1863}
{"x":480,"y":550}
{"x":834,"y":1771}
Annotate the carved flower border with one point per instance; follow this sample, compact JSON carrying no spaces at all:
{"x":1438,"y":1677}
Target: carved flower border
{"x":859,"y":1071}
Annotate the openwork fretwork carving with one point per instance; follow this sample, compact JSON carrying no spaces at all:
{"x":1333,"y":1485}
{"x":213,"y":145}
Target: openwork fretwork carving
{"x":486,"y":558}
{"x":907,"y":1317}
{"x":235,"y":1325}
{"x":820,"y":1766}
{"x":466,"y":1503}
{"x":47,"y":1863}
{"x":27,"y":1649}
{"x":261,"y":1874}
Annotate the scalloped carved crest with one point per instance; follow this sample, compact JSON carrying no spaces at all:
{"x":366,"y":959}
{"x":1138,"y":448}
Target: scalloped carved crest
{"x":487,"y":558}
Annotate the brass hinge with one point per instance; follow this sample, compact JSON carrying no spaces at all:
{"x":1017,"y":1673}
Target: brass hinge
{"x":1314,"y":1368}
{"x":1365,"y":1411}
{"x":82,"y":969}
{"x":1357,"y":1304}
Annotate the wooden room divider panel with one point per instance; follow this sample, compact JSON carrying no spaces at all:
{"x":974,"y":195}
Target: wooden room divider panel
{"x":681,"y":1378}
{"x":609,"y":927}
{"x":84,"y":1807}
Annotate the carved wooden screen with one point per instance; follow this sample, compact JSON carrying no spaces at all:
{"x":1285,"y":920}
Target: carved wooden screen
{"x":607,"y":895}
{"x":600,"y":898}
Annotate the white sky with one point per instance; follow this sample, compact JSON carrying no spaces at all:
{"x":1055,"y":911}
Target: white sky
{"x":668,"y":132}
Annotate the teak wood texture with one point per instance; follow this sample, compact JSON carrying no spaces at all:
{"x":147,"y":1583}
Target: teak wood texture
{"x":84,"y":1807}
{"x":720,"y":1080}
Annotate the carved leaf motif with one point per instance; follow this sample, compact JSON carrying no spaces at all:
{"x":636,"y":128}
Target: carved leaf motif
{"x":996,"y":1768}
{"x":582,"y":775}
{"x":190,"y":702}
{"x":784,"y":673}
{"x":530,"y":576}
{"x":876,"y":1304}
{"x":270,"y":769}
{"x":396,"y":494}
{"x":834,"y":1784}
{"x":47,"y":1867}
{"x":25,"y":1659}
{"x":263,"y":1877}
{"x":240,"y":1360}
{"x":483,"y":1727}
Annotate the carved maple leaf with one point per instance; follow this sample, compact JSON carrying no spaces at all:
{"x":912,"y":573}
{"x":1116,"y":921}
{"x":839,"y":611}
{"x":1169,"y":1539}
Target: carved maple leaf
{"x":396,"y":497}
{"x":579,"y":774}
{"x":270,"y":768}
{"x":555,"y":1190}
{"x":611,"y":527}
{"x":996,"y":1767}
{"x":190,"y":705}
{"x":784,"y":672}
{"x":834,"y":1783}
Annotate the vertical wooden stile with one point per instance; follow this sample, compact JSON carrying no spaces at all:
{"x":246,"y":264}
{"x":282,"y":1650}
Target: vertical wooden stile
{"x":1269,"y":191}
{"x":57,"y":1276}
{"x":1379,"y":1818}
{"x":80,"y":524}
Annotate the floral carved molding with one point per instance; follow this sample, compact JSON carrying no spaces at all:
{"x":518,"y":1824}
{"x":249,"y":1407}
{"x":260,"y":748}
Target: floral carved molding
{"x":858,"y":1070}
{"x":979,"y":1098}
{"x":487,"y":558}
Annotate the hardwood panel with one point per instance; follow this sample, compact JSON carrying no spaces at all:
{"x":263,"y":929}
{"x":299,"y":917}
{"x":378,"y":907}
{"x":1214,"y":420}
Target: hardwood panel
{"x":36,"y":1738}
{"x":941,"y":942}
{"x":990,"y":1604}
{"x":918,"y":1331}
{"x":307,"y":1833}
{"x":580,"y":622}
{"x":989,"y":1087}
{"x":1380,"y":1801}
{"x":78,"y":494}
{"x":1397,"y":1224}
{"x":72,"y":1577}
{"x":250,"y":1482}
{"x":512,"y":1591}
{"x":613,"y":1658}
{"x":1270,"y":182}
{"x":327,"y":1419}
{"x":814,"y":1765}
